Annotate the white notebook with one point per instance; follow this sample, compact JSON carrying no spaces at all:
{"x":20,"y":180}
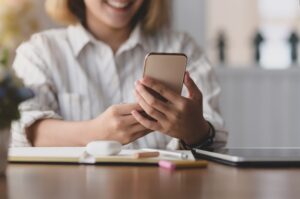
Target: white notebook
{"x":78,"y":155}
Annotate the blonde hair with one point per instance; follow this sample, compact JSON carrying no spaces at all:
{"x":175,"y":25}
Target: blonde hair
{"x":153,"y":14}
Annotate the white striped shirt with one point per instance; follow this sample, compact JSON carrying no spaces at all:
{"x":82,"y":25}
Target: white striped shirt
{"x":76,"y":77}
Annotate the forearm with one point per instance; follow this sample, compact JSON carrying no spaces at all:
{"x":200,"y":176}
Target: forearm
{"x":50,"y":132}
{"x":115,"y":123}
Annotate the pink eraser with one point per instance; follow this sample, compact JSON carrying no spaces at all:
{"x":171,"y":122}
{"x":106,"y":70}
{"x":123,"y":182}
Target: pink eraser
{"x":166,"y":164}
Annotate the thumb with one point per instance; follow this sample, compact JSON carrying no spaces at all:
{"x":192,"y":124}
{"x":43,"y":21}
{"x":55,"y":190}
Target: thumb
{"x":194,"y":92}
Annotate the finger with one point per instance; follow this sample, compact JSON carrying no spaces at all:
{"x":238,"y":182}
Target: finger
{"x":167,"y":93}
{"x":149,"y":109}
{"x":137,"y":128}
{"x":194,"y":92}
{"x":129,"y":120}
{"x":155,"y":126}
{"x":151,"y":100}
{"x":125,"y":109}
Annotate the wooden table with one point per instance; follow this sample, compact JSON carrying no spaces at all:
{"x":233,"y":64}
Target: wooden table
{"x":217,"y":181}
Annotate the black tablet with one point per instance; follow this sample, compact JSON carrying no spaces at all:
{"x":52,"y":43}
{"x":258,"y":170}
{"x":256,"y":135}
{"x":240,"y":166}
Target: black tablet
{"x":247,"y":157}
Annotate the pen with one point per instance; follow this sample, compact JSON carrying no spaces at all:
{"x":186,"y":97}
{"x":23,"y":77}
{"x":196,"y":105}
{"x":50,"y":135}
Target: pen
{"x":171,"y":165}
{"x":174,"y":154}
{"x":146,"y":154}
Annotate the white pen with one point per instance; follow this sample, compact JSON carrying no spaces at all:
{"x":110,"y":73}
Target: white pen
{"x":174,"y":154}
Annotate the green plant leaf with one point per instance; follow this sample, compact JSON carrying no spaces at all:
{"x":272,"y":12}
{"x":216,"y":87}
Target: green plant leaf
{"x":4,"y":57}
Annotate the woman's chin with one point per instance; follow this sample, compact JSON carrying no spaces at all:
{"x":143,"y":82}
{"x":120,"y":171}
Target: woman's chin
{"x":117,"y":22}
{"x":118,"y":25}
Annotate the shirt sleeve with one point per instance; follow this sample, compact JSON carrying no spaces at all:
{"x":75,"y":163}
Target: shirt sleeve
{"x":203,"y":74}
{"x":31,"y":68}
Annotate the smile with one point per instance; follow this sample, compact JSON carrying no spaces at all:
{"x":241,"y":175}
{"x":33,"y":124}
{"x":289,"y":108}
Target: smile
{"x":117,"y":4}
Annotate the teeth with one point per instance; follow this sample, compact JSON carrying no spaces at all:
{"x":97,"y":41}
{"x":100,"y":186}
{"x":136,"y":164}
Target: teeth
{"x":117,"y":4}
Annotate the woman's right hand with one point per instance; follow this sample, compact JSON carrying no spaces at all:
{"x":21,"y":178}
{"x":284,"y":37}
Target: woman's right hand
{"x":117,"y":123}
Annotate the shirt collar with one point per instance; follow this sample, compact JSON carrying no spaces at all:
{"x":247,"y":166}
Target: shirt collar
{"x":136,"y":38}
{"x":80,"y":37}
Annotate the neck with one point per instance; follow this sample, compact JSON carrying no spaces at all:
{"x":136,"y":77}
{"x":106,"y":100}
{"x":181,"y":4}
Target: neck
{"x":113,"y":37}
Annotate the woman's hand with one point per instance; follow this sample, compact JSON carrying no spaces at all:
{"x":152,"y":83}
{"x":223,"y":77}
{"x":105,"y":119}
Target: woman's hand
{"x":117,"y":123}
{"x":179,"y":117}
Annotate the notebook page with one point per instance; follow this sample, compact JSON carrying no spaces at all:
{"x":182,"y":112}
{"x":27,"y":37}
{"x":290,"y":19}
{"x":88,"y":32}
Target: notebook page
{"x":61,"y":152}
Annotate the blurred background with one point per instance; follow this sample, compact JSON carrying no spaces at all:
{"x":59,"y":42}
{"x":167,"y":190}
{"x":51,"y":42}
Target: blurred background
{"x":252,"y":44}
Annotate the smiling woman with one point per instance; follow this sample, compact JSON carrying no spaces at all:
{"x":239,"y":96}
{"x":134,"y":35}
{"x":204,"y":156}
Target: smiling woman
{"x":84,"y":75}
{"x":153,"y":15}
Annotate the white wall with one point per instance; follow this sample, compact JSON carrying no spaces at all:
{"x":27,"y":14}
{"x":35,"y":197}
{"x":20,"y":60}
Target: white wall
{"x":189,"y":16}
{"x":261,"y":108}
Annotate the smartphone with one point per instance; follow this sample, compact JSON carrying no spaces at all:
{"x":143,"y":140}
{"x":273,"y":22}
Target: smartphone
{"x":167,"y":68}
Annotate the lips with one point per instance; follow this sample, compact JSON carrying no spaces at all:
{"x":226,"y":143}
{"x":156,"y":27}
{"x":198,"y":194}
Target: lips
{"x":117,"y":4}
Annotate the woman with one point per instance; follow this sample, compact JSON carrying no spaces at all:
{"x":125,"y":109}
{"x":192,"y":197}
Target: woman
{"x":84,"y":75}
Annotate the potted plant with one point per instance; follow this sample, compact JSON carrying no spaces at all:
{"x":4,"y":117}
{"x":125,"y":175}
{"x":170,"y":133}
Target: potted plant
{"x":12,"y":93}
{"x":17,"y":23}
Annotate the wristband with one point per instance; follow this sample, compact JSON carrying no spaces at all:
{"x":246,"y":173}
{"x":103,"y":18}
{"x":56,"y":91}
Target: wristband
{"x":204,"y":144}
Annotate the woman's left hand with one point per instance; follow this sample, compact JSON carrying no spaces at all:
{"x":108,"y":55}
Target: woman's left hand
{"x":179,"y":117}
